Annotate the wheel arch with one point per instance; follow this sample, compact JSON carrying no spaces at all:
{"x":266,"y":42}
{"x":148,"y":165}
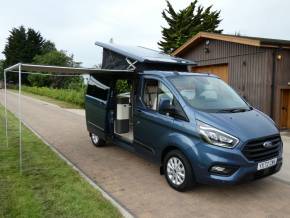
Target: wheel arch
{"x":166,"y":150}
{"x":181,"y":143}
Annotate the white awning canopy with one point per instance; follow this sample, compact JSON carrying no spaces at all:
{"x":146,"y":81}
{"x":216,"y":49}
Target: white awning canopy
{"x":65,"y":70}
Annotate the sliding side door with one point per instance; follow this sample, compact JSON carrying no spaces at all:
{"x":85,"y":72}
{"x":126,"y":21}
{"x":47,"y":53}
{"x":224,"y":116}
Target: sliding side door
{"x":96,"y":105}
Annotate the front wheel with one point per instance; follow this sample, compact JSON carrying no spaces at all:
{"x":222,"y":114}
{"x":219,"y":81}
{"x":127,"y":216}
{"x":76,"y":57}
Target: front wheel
{"x":96,"y":140}
{"x":178,"y":171}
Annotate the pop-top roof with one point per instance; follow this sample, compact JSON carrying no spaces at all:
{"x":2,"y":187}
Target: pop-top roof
{"x":144,"y":55}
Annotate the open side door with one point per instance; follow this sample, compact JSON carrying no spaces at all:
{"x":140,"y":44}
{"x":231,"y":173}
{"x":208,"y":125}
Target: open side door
{"x":96,"y":104}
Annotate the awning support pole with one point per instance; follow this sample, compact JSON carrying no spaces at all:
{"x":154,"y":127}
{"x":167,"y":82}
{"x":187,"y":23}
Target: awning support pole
{"x":20,"y":121}
{"x":5,"y":108}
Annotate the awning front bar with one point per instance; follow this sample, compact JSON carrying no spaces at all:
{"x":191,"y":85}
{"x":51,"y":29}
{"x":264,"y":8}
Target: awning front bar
{"x":65,"y":70}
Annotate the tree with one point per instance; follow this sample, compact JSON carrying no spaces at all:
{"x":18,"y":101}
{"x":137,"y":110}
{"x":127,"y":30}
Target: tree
{"x":34,"y":44}
{"x":57,"y":58}
{"x":22,"y":45}
{"x":14,"y":50}
{"x":48,"y":46}
{"x":1,"y":69}
{"x":186,"y":23}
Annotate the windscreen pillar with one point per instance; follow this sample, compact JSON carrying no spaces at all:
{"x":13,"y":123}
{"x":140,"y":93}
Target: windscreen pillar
{"x":123,"y":115}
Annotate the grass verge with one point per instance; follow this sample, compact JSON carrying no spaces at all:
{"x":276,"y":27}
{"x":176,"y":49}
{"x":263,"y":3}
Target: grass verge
{"x":67,"y":98}
{"x":47,"y":187}
{"x":62,"y":104}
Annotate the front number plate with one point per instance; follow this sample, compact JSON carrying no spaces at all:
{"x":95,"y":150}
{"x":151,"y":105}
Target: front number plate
{"x":267,"y":164}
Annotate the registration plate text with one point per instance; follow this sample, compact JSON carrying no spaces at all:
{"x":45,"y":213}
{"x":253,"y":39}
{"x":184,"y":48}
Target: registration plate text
{"x":267,"y":164}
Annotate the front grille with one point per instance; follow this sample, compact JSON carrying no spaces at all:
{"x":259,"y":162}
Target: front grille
{"x":255,"y":151}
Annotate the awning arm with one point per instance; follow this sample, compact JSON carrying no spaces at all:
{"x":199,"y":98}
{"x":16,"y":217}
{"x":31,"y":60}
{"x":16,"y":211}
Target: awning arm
{"x":63,"y":70}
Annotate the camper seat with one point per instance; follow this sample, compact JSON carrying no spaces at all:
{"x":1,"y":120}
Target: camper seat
{"x":150,"y":97}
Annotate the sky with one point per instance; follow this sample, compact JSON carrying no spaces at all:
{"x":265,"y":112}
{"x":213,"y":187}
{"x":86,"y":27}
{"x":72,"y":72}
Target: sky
{"x":74,"y":25}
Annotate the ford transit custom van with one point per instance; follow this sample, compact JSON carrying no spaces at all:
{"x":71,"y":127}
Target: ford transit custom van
{"x":193,"y":125}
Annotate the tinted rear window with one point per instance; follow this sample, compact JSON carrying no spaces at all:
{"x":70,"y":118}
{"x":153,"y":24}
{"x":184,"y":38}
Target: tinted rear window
{"x":98,"y":89}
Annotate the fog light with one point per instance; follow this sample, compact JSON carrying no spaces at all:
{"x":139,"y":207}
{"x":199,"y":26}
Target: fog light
{"x":223,"y":170}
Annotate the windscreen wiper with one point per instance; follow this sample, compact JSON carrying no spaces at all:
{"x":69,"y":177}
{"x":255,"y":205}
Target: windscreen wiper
{"x":234,"y":110}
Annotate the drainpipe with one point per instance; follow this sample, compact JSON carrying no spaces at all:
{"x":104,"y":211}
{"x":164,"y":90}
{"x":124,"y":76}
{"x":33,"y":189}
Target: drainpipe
{"x":273,"y":83}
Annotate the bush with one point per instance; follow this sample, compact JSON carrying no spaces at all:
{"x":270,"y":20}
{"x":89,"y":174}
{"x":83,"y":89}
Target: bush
{"x":39,"y":80}
{"x":122,"y":86}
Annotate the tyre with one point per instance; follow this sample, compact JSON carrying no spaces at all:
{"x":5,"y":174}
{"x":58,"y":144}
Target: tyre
{"x":96,"y":140}
{"x":178,"y":171}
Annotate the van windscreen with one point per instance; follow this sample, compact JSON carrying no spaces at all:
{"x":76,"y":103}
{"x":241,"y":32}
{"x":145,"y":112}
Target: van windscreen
{"x":209,"y":94}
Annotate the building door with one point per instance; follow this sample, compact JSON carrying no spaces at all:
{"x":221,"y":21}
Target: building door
{"x":219,"y":70}
{"x":285,"y":109}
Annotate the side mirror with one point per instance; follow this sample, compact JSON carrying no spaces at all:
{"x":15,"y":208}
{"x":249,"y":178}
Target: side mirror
{"x":165,"y":106}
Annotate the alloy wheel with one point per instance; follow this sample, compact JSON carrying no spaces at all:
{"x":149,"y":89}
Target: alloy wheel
{"x":175,"y":171}
{"x":95,"y":138}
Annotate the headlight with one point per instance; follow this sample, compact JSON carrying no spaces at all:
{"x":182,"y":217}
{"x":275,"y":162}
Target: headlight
{"x":216,"y":137}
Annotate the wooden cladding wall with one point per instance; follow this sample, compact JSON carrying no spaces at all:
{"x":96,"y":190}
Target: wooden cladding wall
{"x":282,"y":67}
{"x":282,"y":78}
{"x":250,"y":68}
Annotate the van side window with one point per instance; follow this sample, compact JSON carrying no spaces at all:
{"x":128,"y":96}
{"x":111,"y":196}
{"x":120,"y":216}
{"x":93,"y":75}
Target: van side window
{"x":164,"y":92}
{"x":153,"y":92}
{"x":150,"y":93}
{"x":97,"y":89}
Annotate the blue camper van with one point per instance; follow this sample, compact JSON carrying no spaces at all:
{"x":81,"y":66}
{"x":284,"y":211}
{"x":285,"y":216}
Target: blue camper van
{"x":193,"y":125}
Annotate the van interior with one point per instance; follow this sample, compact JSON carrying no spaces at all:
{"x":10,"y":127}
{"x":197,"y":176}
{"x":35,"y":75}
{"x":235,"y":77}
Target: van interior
{"x":152,"y":94}
{"x":122,"y":111}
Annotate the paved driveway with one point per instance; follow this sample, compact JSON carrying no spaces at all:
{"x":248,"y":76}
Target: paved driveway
{"x":137,"y":184}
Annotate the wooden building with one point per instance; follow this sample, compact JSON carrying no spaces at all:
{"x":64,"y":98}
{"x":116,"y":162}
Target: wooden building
{"x":257,"y":68}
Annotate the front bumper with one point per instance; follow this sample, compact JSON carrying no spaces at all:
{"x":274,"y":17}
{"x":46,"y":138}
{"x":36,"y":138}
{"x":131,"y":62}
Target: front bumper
{"x":207,"y":155}
{"x":243,"y":174}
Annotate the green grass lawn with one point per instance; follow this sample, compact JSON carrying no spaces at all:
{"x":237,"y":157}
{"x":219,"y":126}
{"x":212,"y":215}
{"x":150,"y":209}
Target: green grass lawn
{"x":66,"y":98}
{"x":47,"y":187}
